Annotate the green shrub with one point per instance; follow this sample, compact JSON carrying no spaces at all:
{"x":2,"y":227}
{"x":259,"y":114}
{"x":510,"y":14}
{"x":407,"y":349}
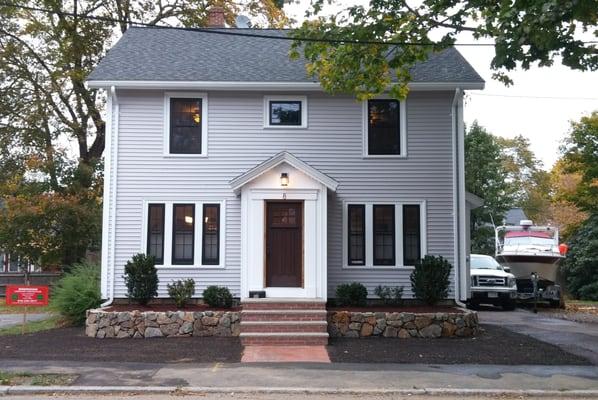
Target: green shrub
{"x":581,"y":263}
{"x":430,"y":279}
{"x":77,"y":292}
{"x":218,"y":296}
{"x":141,"y":278}
{"x":390,"y":295}
{"x":351,"y":294}
{"x":181,"y":291}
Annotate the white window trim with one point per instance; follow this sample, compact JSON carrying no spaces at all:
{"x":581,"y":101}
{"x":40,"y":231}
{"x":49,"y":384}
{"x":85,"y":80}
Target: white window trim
{"x":302,"y":99}
{"x":204,"y":123}
{"x":402,"y":129}
{"x":369,"y":234}
{"x":197,"y":243}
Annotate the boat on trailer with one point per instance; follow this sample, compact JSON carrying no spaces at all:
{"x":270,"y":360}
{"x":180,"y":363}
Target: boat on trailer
{"x":527,"y":249}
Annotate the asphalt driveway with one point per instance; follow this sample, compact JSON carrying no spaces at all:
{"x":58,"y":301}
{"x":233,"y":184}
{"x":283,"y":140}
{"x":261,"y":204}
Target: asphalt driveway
{"x":574,"y":337}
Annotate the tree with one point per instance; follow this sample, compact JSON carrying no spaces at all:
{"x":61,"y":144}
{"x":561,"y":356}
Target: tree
{"x":580,"y":264}
{"x":399,"y":35}
{"x":486,"y":176}
{"x":52,"y":133}
{"x":580,"y":154}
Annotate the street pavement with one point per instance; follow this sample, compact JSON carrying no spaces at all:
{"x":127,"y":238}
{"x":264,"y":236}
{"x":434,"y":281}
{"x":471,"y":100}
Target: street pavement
{"x":575,"y":337}
{"x":8,"y":320}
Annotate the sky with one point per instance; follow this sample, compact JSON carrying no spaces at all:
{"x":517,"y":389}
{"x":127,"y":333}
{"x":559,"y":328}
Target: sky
{"x":539,"y":106}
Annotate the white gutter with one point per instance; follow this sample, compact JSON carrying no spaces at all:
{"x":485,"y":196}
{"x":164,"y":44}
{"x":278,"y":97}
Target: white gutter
{"x":108,"y":248}
{"x":244,"y":85}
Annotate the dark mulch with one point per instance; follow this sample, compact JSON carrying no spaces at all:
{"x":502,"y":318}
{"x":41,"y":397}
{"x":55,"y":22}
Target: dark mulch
{"x":495,"y":345}
{"x":71,"y":344}
{"x":409,"y":309}
{"x":167,"y":307}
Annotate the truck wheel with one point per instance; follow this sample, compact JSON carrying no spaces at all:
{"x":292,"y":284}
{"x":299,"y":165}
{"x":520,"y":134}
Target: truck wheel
{"x":472,"y":305}
{"x":509,"y":305}
{"x":555,"y":303}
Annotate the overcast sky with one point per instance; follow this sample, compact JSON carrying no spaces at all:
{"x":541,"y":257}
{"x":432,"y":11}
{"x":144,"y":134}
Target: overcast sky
{"x":521,"y":108}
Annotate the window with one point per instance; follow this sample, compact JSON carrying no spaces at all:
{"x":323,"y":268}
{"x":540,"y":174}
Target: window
{"x":185,"y":126}
{"x":211,"y":234}
{"x":285,"y":112}
{"x":385,"y":127}
{"x":155,"y":232}
{"x":14,"y":264}
{"x":183,"y":230}
{"x":384,"y":234}
{"x":356,"y":234}
{"x":411,"y":234}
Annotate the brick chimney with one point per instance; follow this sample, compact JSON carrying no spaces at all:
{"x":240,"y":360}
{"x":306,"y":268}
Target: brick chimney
{"x":216,"y":17}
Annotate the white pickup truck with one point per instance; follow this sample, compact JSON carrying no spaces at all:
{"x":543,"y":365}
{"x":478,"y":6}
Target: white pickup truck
{"x":491,"y":284}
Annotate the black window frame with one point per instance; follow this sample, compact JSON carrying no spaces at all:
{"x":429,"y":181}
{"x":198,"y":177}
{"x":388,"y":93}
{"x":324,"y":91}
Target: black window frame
{"x":384,"y":262}
{"x":272,"y":102}
{"x":204,"y":259}
{"x":369,"y":137}
{"x":417,"y":232}
{"x":176,"y":261}
{"x":171,"y":125}
{"x":350,"y":234}
{"x":158,"y":261}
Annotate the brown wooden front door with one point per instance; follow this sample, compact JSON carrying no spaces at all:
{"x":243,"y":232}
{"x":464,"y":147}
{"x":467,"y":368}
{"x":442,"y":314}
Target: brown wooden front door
{"x":284,"y":244}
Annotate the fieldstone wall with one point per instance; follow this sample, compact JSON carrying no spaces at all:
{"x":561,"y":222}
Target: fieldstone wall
{"x":402,"y":324}
{"x":126,"y":324}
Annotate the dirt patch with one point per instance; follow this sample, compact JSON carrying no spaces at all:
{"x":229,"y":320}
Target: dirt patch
{"x":399,"y":309}
{"x":166,"y":307}
{"x":495,"y":345}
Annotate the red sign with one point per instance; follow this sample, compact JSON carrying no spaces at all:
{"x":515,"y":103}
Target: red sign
{"x":26,"y":295}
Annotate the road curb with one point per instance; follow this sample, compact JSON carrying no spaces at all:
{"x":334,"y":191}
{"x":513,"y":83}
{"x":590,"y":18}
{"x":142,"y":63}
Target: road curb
{"x":50,"y":390}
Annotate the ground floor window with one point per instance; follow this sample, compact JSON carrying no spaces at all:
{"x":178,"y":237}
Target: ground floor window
{"x":383,"y":234}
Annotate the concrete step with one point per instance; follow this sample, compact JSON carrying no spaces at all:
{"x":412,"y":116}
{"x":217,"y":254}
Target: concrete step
{"x":284,"y":339}
{"x":283,"y":315}
{"x":284,"y":326}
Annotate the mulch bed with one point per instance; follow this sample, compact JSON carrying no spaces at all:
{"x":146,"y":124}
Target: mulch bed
{"x":406,"y":309}
{"x":71,"y":344}
{"x":166,"y":307}
{"x":495,"y":345}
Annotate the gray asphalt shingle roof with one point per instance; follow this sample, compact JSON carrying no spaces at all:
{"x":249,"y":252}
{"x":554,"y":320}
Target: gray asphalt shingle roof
{"x":152,"y":54}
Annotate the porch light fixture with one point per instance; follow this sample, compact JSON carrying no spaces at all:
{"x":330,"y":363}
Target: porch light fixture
{"x":284,"y":179}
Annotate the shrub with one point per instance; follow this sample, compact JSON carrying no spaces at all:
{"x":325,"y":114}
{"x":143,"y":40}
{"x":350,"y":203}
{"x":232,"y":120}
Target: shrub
{"x":390,"y":295}
{"x":141,"y":278}
{"x":580,"y":265}
{"x":218,"y":296}
{"x":181,"y":291}
{"x":77,"y":291}
{"x":430,"y":279}
{"x":351,"y":294}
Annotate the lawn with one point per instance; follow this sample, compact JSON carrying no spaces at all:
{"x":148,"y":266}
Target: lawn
{"x":28,"y":378}
{"x":32,"y":327}
{"x":4,"y":309}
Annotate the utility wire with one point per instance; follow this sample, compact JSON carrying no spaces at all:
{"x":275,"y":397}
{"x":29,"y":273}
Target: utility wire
{"x":225,"y":31}
{"x":534,"y":97}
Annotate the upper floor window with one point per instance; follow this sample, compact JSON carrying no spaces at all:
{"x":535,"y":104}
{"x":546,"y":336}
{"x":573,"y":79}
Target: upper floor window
{"x":186,"y":124}
{"x":285,"y":111}
{"x":385,"y":128}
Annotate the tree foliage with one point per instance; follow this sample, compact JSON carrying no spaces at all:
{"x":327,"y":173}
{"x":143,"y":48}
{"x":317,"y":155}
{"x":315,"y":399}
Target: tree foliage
{"x":524,"y":33}
{"x":581,"y":264}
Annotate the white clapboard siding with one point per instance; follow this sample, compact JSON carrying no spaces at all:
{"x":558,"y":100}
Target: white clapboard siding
{"x":237,"y":141}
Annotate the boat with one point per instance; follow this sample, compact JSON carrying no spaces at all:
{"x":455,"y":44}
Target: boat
{"x":528,"y":249}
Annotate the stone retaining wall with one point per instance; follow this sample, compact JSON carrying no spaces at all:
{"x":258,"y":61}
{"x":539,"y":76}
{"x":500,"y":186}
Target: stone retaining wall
{"x":402,"y":324}
{"x":125,"y":324}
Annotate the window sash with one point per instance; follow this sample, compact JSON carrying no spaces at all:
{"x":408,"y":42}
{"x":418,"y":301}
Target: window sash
{"x":156,"y":237}
{"x":389,"y":133}
{"x":356,"y":235}
{"x":182,"y":232}
{"x":411,"y":234}
{"x":185,"y":133}
{"x":384,"y":235}
{"x":211,"y":236}
{"x":297,"y":122}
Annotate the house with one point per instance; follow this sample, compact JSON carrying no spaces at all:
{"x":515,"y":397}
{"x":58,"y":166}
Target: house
{"x":231,"y":166}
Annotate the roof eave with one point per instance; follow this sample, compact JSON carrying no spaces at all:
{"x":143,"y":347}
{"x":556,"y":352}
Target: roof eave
{"x":274,"y":86}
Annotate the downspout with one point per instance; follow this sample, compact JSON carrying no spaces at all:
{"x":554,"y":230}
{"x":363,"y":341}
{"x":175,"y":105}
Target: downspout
{"x":110,"y":193}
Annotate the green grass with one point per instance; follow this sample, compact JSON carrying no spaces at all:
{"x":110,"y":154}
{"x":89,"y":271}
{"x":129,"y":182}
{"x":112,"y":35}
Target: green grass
{"x":4,"y":309}
{"x":29,"y":378}
{"x":583,"y":302}
{"x":32,"y":327}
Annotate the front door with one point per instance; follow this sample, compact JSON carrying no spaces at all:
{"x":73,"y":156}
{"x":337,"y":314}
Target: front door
{"x":284,"y":244}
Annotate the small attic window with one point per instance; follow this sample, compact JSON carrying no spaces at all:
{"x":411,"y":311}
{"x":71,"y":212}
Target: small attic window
{"x":285,"y":112}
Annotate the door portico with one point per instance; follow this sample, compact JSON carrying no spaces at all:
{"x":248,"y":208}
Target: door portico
{"x":304,"y":238}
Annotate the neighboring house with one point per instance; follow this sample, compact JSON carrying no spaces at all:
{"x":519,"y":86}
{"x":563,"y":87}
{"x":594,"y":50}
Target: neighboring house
{"x":11,"y":263}
{"x":231,"y":166}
